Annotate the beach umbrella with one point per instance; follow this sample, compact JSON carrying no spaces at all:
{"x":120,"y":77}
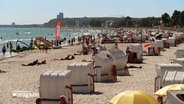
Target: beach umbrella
{"x":133,"y":97}
{"x":163,"y":91}
{"x":153,"y":33}
{"x":146,"y":44}
{"x":158,"y":36}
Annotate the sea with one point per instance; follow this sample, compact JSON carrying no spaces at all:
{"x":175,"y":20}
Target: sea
{"x":26,"y":34}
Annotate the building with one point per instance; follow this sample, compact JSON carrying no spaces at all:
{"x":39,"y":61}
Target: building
{"x":109,"y":22}
{"x":60,"y":15}
{"x":13,"y":24}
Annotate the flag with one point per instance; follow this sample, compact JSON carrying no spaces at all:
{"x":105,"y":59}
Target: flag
{"x":58,"y":29}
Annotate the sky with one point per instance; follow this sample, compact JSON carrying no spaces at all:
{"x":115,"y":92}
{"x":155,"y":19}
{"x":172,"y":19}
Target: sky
{"x":41,"y":11}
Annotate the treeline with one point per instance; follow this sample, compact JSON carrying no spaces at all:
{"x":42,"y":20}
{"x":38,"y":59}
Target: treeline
{"x":176,"y":20}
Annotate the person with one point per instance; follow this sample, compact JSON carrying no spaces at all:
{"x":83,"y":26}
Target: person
{"x":113,"y":74}
{"x":69,"y":57}
{"x":46,"y":48}
{"x":85,"y":51}
{"x":128,"y":51}
{"x":2,"y":71}
{"x":11,"y":48}
{"x":132,"y":66}
{"x":95,"y":51}
{"x":68,"y":41}
{"x":116,"y":45}
{"x":31,"y":43}
{"x":62,"y":100}
{"x":31,"y":64}
{"x":18,"y":48}
{"x":38,"y":101}
{"x":7,"y":45}
{"x":43,"y":62}
{"x":4,"y":50}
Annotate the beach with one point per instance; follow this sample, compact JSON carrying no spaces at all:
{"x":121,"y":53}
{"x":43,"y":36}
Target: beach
{"x":26,"y":78}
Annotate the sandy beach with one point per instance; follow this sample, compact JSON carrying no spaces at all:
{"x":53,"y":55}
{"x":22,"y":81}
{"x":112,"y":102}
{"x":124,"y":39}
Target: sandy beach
{"x":26,"y":78}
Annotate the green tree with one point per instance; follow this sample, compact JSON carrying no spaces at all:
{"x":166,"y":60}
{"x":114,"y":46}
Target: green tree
{"x":148,"y":22}
{"x":121,"y":22}
{"x":95,"y":23}
{"x":175,"y":17}
{"x":181,"y":18}
{"x":128,"y":21}
{"x":166,"y":19}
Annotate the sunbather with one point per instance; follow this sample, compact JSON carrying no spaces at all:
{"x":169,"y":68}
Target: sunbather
{"x":69,"y":57}
{"x":2,"y":71}
{"x":132,"y":66}
{"x":35,"y":63}
{"x":43,"y":62}
{"x":31,"y":64}
{"x":126,"y":71}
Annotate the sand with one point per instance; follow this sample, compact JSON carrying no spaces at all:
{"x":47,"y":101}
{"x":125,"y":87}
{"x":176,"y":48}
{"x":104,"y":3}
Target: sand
{"x":26,"y":78}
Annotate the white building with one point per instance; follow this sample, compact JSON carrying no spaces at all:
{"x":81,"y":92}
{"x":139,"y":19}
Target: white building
{"x":60,"y":15}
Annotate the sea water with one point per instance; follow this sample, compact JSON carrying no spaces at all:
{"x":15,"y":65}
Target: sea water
{"x":26,"y":34}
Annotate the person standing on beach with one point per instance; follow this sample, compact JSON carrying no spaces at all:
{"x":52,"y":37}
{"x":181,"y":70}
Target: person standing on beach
{"x":11,"y":48}
{"x":4,"y":50}
{"x":7,"y":44}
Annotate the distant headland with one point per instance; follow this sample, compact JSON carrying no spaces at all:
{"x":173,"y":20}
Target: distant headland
{"x":176,"y":20}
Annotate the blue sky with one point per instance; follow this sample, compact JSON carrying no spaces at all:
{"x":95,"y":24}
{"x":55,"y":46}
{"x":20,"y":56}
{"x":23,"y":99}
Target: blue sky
{"x":41,"y":11}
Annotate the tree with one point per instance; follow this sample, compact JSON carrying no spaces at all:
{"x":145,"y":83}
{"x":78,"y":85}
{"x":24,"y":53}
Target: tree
{"x":175,"y":17}
{"x":121,"y":23}
{"x":148,"y":22}
{"x":166,"y":19}
{"x":128,"y":21}
{"x":181,"y":18}
{"x":95,"y":23}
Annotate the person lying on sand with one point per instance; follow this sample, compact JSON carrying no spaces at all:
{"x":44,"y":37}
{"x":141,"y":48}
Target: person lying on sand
{"x":126,"y":71}
{"x":69,"y":57}
{"x":35,"y":63}
{"x":31,"y":64}
{"x":83,"y":60}
{"x":43,"y":62}
{"x":2,"y":71}
{"x":132,"y":66}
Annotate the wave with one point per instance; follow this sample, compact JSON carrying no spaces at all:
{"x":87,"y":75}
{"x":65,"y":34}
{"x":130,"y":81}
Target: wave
{"x":27,"y":33}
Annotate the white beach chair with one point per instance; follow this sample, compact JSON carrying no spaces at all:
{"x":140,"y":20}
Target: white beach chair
{"x":155,"y":45}
{"x":166,"y":44}
{"x":179,"y":61}
{"x":82,"y":77}
{"x":137,"y":48}
{"x":161,"y":68}
{"x":105,"y":63}
{"x":53,"y":84}
{"x":172,"y":98}
{"x":171,"y":41}
{"x":160,"y":43}
{"x":119,"y":59}
{"x":173,"y":77}
{"x":179,"y":53}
